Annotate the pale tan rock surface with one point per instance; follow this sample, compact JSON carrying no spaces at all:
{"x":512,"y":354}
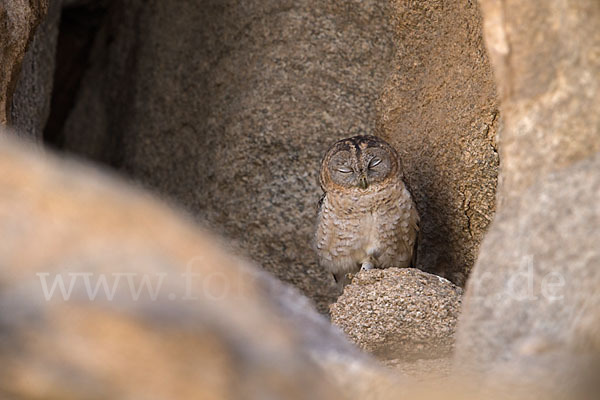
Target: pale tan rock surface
{"x":399,"y":313}
{"x":533,"y":314}
{"x":439,"y":109}
{"x":530,"y":311}
{"x":546,"y":60}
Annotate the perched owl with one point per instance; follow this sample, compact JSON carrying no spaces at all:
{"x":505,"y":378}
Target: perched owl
{"x":367,"y":217}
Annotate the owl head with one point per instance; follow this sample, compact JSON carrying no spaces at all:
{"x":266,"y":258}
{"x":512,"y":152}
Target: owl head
{"x":360,"y":162}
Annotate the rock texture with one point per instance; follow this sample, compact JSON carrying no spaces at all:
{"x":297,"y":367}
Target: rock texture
{"x":227,"y":331}
{"x":227,"y":107}
{"x":439,"y":109}
{"x":535,"y":311}
{"x":531,"y":305}
{"x":31,"y":101}
{"x":399,"y":313}
{"x":19,"y":19}
{"x":546,"y":59}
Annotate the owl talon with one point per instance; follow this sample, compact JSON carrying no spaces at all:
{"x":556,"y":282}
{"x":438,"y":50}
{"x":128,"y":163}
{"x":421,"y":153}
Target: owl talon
{"x":366,"y":266}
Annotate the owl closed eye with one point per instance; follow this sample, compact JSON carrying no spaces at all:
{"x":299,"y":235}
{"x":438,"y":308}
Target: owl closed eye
{"x":351,"y":165}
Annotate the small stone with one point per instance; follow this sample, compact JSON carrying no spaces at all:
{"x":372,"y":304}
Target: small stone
{"x":423,"y":328}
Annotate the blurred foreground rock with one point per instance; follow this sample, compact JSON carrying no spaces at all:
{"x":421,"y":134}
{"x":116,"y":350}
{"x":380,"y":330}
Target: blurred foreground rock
{"x":399,"y":313}
{"x":531,"y":311}
{"x":534,"y":313}
{"x":228,"y":331}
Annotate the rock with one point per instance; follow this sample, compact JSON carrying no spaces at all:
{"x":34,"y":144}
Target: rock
{"x":204,"y":325}
{"x":439,"y":109}
{"x":423,"y":369}
{"x":530,"y":311}
{"x":547,"y":123}
{"x":399,"y":313}
{"x":533,"y":312}
{"x":19,"y":19}
{"x":31,"y":99}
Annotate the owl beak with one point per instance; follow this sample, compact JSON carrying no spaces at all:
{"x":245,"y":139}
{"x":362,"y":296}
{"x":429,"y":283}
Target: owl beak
{"x":362,"y":181}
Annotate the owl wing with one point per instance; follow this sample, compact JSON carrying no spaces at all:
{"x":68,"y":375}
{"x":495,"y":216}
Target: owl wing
{"x":413,"y":262}
{"x":320,"y":203}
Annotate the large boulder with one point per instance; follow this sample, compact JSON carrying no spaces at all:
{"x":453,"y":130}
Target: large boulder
{"x":439,"y":109}
{"x":106,"y":293}
{"x":531,"y":306}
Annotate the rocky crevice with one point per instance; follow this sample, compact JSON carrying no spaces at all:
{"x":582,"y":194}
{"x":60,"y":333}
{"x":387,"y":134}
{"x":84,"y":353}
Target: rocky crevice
{"x":79,"y":25}
{"x":225,"y":108}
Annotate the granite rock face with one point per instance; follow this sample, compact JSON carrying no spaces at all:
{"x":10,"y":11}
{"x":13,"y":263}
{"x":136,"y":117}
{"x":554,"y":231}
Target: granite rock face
{"x":227,"y":107}
{"x":399,"y":313}
{"x":439,"y":109}
{"x":150,"y":307}
{"x":531,"y":304}
{"x":19,"y":20}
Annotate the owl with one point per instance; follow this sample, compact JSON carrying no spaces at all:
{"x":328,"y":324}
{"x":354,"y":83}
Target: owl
{"x":367,"y":217}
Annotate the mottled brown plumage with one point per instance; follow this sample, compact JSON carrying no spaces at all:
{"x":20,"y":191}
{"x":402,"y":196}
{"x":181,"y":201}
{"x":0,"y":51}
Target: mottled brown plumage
{"x":367,"y":217}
